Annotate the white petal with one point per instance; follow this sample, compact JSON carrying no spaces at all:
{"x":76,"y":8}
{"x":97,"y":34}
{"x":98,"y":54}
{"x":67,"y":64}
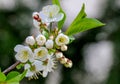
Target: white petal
{"x":18,"y":56}
{"x":18,"y":48}
{"x":27,"y":66}
{"x":43,"y":53}
{"x":29,"y":73}
{"x":43,"y":17}
{"x":36,"y":23}
{"x":58,"y":17}
{"x":38,"y":65}
{"x":51,"y":10}
{"x":45,"y":73}
{"x":49,"y":44}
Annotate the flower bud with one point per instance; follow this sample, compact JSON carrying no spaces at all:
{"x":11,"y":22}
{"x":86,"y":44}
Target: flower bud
{"x":40,"y":39}
{"x":49,"y":44}
{"x":63,"y":60}
{"x":30,"y":40}
{"x":36,"y":16}
{"x":59,"y":55}
{"x":68,"y":64}
{"x":64,"y":48}
{"x":62,"y":39}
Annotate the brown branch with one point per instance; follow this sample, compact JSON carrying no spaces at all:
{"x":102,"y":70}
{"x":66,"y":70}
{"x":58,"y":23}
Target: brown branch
{"x":11,"y":67}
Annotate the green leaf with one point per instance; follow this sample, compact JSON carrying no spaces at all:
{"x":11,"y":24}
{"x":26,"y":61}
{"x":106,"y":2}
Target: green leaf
{"x":17,"y":78}
{"x":12,"y":75}
{"x":81,"y":23}
{"x":11,"y":83}
{"x":2,"y":77}
{"x":80,"y":16}
{"x":60,"y":23}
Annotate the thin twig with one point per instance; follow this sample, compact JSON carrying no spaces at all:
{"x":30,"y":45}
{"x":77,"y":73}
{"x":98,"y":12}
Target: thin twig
{"x":11,"y":67}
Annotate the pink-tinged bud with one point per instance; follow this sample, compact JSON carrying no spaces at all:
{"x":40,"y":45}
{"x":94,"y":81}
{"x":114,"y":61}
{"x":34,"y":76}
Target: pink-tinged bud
{"x":68,"y":64}
{"x":63,"y":60}
{"x":36,"y":16}
{"x":64,"y":48}
{"x":59,"y":55}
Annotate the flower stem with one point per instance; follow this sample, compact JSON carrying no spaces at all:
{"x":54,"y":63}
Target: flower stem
{"x":11,"y":67}
{"x":50,"y":26}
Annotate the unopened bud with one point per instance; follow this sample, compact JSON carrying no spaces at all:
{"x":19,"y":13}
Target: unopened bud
{"x":59,"y":55}
{"x":30,"y":40}
{"x":64,"y":48}
{"x":36,"y":16}
{"x":49,"y":44}
{"x":68,"y":64}
{"x":63,"y":60}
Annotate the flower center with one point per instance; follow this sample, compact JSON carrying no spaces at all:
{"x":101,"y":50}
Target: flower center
{"x":41,"y":53}
{"x":33,"y":68}
{"x":25,"y":54}
{"x":50,"y":14}
{"x":45,"y":62}
{"x":61,"y":40}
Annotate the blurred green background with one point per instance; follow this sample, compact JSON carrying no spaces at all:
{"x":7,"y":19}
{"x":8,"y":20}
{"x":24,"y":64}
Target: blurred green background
{"x":95,"y":53}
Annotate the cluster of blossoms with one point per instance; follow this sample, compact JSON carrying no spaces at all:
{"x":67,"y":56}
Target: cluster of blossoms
{"x":42,"y":52}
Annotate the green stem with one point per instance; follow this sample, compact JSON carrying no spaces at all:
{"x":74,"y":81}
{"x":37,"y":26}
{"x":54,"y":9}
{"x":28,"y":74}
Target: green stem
{"x":51,"y":26}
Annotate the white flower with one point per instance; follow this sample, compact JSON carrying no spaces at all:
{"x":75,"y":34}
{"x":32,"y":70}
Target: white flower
{"x":49,"y":65}
{"x":40,"y":39}
{"x":30,"y":40}
{"x":40,"y":53}
{"x":49,"y":44}
{"x":51,"y":13}
{"x":24,"y":53}
{"x":34,"y":69}
{"x":62,"y":39}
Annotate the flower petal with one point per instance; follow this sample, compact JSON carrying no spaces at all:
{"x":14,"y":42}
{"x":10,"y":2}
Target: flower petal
{"x":27,"y":66}
{"x":29,"y":73}
{"x":50,"y":10}
{"x":36,"y":23}
{"x":38,"y":65}
{"x":58,"y":17}
{"x":45,"y":73}
{"x":18,"y":48}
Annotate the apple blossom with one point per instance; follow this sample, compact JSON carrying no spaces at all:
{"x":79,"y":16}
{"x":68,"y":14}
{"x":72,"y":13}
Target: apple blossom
{"x":24,"y":53}
{"x":62,"y":39}
{"x":51,"y":13}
